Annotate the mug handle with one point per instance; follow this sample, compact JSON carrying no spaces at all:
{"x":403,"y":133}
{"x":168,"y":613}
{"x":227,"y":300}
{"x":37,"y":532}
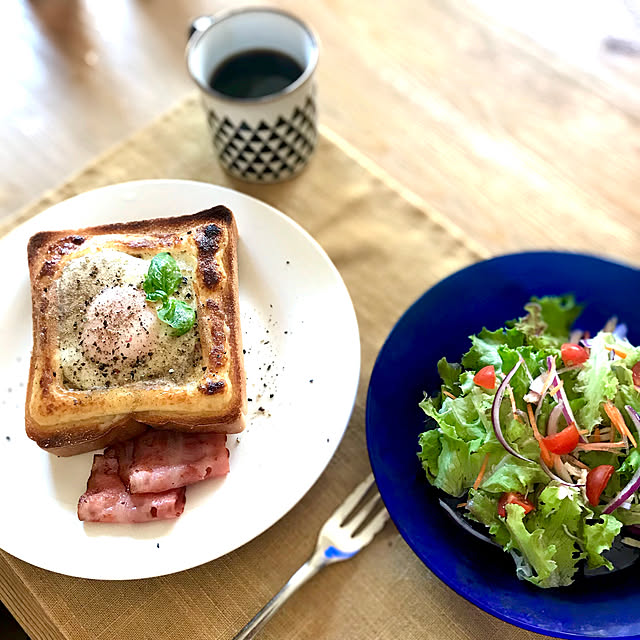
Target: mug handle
{"x":199,"y":24}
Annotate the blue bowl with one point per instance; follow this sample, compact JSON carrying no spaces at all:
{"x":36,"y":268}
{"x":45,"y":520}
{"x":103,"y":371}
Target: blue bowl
{"x":438,"y":324}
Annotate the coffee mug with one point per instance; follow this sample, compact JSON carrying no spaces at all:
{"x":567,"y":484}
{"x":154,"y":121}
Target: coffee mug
{"x":255,"y":69}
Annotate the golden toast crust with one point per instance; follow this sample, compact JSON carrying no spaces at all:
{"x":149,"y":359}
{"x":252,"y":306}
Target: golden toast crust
{"x":68,"y":421}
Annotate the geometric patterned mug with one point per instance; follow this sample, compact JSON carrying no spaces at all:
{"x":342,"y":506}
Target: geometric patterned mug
{"x":269,"y":138}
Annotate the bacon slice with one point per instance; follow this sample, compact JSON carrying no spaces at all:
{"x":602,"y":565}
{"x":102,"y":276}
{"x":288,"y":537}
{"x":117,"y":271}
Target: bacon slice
{"x":158,"y":461}
{"x":107,"y":499}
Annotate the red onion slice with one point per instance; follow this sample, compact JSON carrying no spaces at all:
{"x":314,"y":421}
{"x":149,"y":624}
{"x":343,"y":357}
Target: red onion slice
{"x":624,"y":494}
{"x":633,"y":414}
{"x":461,"y":521}
{"x":552,"y":424}
{"x":495,"y":413}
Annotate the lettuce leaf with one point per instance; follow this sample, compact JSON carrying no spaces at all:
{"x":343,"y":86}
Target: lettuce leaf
{"x":484,"y":348}
{"x":598,"y":537}
{"x":532,"y":553}
{"x":512,"y":474}
{"x":452,"y":454}
{"x":547,"y":542}
{"x":548,"y":321}
{"x":430,"y":449}
{"x":629,"y":516}
{"x":483,"y":508}
{"x":596,"y":383}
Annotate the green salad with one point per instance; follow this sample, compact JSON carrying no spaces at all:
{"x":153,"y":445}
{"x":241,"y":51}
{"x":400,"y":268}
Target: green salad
{"x":536,"y":433}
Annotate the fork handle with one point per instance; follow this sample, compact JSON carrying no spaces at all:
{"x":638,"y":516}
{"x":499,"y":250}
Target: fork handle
{"x":306,"y":571}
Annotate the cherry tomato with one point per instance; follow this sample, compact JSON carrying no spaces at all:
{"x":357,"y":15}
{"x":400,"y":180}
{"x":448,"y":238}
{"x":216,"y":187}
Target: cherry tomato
{"x":597,"y":480}
{"x":573,"y":354}
{"x":512,"y":497}
{"x":564,"y":441}
{"x":635,"y":371}
{"x":486,"y":377}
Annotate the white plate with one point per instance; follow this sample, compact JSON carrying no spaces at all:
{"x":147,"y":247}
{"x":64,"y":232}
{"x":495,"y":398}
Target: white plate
{"x":302,"y":345}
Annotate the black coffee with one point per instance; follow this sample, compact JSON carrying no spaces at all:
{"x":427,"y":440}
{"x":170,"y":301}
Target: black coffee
{"x":255,"y":73}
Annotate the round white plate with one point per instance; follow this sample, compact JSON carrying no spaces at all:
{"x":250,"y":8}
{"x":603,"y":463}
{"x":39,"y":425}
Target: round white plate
{"x":302,"y":363}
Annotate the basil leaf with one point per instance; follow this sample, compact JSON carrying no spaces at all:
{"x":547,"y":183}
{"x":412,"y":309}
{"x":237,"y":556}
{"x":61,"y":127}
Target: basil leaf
{"x":163,"y":277}
{"x":155,"y":296}
{"x":178,"y":315}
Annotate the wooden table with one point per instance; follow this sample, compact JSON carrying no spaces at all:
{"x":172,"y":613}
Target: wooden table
{"x":518,"y":122}
{"x":511,"y":119}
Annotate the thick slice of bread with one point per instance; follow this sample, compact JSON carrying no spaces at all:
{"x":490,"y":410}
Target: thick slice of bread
{"x":67,"y":413}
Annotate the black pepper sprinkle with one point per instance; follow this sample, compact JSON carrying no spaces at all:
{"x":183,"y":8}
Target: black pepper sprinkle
{"x":311,"y":381}
{"x":269,"y":368}
{"x":288,"y":262}
{"x":8,"y":439}
{"x":244,"y":351}
{"x":261,"y":409}
{"x":158,"y":545}
{"x":249,"y":399}
{"x":271,"y":395}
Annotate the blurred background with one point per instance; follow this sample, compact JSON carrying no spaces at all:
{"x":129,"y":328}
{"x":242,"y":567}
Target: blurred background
{"x":436,"y":92}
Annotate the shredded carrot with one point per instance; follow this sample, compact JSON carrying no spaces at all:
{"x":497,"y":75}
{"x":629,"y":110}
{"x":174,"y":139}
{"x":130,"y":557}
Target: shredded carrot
{"x":462,"y":504}
{"x":599,"y":446}
{"x":446,"y":393}
{"x":557,"y":388}
{"x":618,"y":421}
{"x":547,"y":457}
{"x":583,"y":432}
{"x":483,"y":468}
{"x":578,"y":463}
{"x":619,"y":353}
{"x":534,"y":426}
{"x":596,"y":434}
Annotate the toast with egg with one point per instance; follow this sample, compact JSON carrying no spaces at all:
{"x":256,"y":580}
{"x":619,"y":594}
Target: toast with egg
{"x":111,"y":355}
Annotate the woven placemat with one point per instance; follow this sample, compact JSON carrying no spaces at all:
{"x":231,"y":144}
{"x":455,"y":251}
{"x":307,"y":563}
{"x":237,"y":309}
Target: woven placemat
{"x":389,"y":247}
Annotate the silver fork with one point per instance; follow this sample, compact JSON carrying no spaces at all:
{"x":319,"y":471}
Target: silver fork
{"x":339,"y":539}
